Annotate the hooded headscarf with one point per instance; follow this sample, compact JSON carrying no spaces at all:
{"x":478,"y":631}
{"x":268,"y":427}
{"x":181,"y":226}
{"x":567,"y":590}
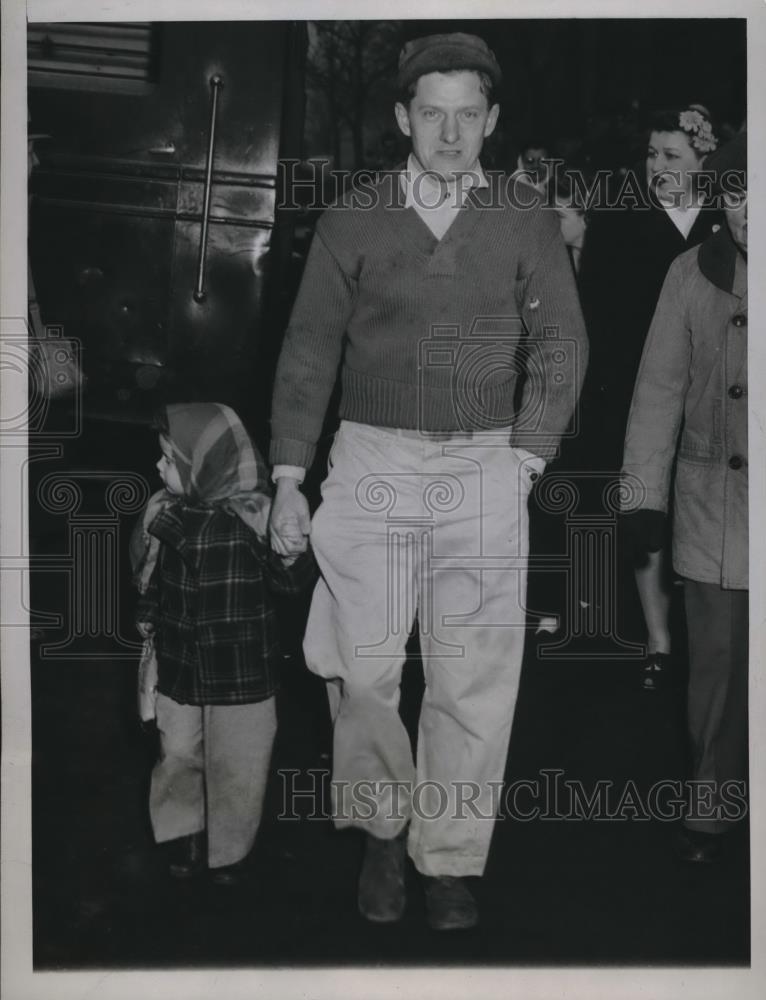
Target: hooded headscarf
{"x":218,"y":467}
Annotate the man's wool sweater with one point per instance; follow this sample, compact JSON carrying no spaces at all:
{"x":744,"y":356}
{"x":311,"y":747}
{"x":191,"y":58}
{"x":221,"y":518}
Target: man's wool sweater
{"x":433,"y":334}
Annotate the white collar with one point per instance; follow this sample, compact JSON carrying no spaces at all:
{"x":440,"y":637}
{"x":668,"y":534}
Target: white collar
{"x":424,"y":189}
{"x":682,"y":218}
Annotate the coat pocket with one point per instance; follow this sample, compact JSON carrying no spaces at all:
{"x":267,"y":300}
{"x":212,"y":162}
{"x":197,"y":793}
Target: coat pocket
{"x":702,"y":440}
{"x":698,"y":513}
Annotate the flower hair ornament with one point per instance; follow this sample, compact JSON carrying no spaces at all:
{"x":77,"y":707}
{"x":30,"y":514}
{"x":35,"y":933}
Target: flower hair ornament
{"x":699,"y":130}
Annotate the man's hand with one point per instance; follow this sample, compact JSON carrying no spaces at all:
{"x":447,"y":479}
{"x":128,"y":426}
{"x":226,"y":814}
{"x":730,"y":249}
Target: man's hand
{"x":643,"y":531}
{"x":290,"y":520}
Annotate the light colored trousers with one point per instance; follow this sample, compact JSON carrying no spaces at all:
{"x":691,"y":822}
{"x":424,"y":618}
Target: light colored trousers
{"x":212,"y":773}
{"x":410,"y":524}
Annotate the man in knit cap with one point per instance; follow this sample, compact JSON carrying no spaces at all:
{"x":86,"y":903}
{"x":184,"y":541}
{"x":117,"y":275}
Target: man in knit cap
{"x":421,"y":294}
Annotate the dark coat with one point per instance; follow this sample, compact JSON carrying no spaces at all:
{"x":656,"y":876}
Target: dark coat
{"x":209,"y":599}
{"x":626,"y":257}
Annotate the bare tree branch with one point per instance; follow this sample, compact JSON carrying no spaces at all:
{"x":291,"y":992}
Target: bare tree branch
{"x":347,"y":65}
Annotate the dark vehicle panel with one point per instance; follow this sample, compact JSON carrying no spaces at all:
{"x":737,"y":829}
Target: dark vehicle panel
{"x":116,"y":223}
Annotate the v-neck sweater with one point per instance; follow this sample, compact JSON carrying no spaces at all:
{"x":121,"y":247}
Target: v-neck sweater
{"x":432,"y":334}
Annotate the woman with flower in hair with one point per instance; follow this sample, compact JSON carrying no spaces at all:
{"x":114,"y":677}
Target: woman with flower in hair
{"x":658,"y":212}
{"x":205,"y":574}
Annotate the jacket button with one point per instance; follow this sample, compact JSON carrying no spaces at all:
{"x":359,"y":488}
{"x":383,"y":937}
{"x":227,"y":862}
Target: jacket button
{"x":736,"y":392}
{"x":736,"y":462}
{"x":739,"y":319}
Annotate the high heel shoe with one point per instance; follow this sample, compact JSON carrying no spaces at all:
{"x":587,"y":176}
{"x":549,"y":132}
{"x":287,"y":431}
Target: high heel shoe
{"x":656,"y":672}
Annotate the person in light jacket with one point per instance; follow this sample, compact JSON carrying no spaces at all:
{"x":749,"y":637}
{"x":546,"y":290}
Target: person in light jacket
{"x":687,"y":433}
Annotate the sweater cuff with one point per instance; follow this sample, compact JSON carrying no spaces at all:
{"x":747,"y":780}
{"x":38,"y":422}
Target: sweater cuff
{"x":288,"y":451}
{"x":538,"y":445}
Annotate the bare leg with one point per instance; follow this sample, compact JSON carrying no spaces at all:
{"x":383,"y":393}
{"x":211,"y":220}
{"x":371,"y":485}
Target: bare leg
{"x":654,"y":594}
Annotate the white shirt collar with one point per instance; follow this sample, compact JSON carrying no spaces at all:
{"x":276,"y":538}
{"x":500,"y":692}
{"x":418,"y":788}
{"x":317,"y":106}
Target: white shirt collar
{"x":424,"y":190}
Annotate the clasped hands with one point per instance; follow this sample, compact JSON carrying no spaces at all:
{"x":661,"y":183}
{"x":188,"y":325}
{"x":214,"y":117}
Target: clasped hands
{"x":290,"y":520}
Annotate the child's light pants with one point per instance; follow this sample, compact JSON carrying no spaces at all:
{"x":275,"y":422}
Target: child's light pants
{"x":212,"y":773}
{"x":410,"y":524}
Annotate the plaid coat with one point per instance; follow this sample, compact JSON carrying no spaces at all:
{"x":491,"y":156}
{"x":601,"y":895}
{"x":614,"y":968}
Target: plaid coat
{"x":209,"y":602}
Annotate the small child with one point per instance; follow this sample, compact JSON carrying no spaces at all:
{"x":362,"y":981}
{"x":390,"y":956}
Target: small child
{"x":204,"y":572}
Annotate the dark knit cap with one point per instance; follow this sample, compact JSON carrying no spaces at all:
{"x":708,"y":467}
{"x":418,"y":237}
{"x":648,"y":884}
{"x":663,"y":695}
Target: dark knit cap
{"x":441,"y":53}
{"x":731,"y":156}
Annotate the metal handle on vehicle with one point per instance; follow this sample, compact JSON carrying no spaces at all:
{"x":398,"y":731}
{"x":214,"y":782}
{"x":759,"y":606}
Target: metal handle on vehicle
{"x":216,"y":82}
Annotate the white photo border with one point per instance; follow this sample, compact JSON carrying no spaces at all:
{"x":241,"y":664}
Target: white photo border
{"x":19,"y":982}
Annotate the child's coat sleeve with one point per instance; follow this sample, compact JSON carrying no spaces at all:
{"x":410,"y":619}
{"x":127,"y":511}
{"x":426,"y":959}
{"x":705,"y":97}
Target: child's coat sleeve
{"x":283,"y":579}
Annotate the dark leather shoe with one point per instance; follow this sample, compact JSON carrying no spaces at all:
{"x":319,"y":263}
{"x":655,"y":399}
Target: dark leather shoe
{"x":382,"y":895}
{"x":450,"y":905}
{"x":656,"y":672}
{"x":187,"y":856}
{"x":696,"y":847}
